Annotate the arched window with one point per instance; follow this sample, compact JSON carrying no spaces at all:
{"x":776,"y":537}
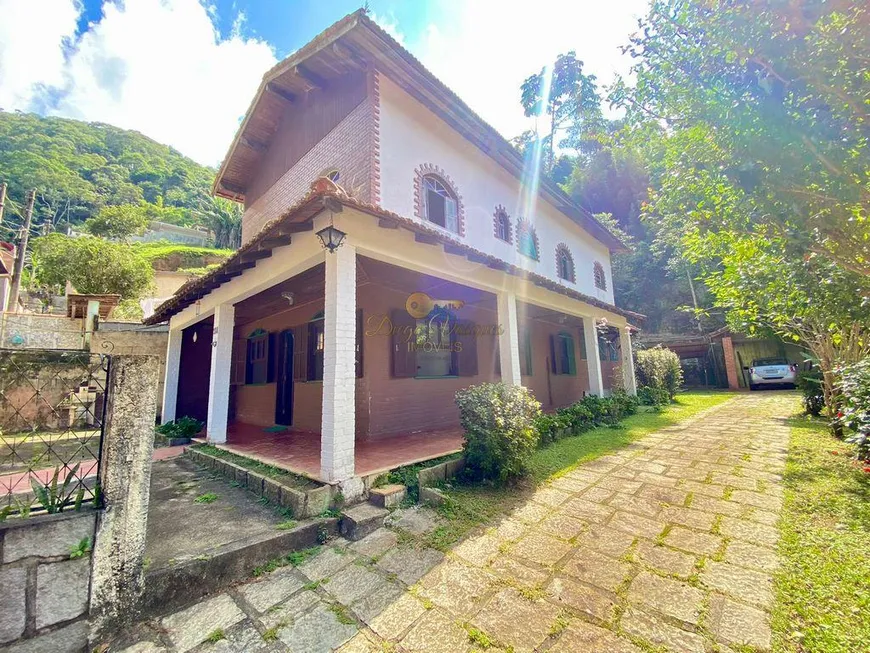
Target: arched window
{"x":564,"y":263}
{"x":527,"y":239}
{"x":598,"y":276}
{"x":439,"y":203}
{"x":502,"y":224}
{"x":332,"y":174}
{"x":437,"y":200}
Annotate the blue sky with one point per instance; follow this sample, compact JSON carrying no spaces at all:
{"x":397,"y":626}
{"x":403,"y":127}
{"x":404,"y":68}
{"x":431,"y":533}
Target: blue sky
{"x":183,"y":71}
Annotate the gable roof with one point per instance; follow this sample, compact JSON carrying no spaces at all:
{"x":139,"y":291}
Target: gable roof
{"x":353,"y":44}
{"x":325,"y":194}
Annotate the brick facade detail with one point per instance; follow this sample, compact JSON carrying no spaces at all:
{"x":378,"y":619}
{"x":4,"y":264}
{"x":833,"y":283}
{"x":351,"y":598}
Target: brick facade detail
{"x":347,"y":148}
{"x":562,"y":250}
{"x":425,"y":169}
{"x":501,"y":216}
{"x":374,"y":98}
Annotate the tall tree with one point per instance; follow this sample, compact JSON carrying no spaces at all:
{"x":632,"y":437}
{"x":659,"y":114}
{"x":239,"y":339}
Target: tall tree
{"x":224,"y":218}
{"x":568,"y":98}
{"x":767,"y":99}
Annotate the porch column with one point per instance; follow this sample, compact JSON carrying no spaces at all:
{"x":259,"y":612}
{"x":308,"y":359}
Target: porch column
{"x":219,"y":379}
{"x":338,"y":427}
{"x":509,"y":339}
{"x":593,"y":357}
{"x":627,"y":361}
{"x":170,"y":378}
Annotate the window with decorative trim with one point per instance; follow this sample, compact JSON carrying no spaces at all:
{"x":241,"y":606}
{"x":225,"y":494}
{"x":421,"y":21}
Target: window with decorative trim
{"x":564,"y":263}
{"x":437,"y":199}
{"x":599,"y":276}
{"x":502,"y":224}
{"x":527,"y":239}
{"x":439,"y":203}
{"x":258,"y":368}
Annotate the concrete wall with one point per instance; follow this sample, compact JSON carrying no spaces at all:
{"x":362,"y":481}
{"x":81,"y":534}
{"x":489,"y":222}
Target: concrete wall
{"x":412,"y":136}
{"x":44,"y":593}
{"x":34,"y":331}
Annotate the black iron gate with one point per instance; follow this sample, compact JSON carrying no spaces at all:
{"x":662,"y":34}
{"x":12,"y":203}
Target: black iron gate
{"x":52,"y":409}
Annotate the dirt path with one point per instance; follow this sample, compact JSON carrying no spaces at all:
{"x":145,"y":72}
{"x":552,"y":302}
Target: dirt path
{"x":669,"y":542}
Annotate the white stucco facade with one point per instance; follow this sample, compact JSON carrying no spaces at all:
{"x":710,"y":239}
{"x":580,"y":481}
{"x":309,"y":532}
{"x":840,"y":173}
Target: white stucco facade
{"x":411,"y":135}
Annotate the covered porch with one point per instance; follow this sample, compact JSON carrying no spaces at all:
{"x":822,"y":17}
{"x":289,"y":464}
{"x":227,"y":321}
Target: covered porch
{"x":319,"y":361}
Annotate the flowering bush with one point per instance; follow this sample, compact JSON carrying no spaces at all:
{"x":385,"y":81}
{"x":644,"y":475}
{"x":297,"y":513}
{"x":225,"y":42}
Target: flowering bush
{"x":854,"y":385}
{"x":659,"y":368}
{"x":500,"y":434}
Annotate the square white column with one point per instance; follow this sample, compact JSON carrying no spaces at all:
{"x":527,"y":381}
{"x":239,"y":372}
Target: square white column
{"x":628,"y":379}
{"x":338,"y":427}
{"x":170,"y":377}
{"x":509,"y":339}
{"x":219,"y":378}
{"x":593,"y":357}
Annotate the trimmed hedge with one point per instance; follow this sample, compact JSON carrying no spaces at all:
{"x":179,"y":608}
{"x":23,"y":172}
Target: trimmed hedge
{"x":583,"y":415}
{"x":658,"y":369}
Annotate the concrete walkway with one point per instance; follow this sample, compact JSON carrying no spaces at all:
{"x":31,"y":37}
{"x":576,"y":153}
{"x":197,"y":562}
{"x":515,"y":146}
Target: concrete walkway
{"x":669,"y":542}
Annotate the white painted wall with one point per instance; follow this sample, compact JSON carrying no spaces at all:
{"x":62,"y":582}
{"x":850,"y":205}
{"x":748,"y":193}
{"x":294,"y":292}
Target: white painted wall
{"x":412,"y":135}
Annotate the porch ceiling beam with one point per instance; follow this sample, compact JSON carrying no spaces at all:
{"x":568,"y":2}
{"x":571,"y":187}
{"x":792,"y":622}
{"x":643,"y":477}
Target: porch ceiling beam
{"x":385,"y":223}
{"x":349,"y":55}
{"x":311,"y":78}
{"x":256,"y":255}
{"x":426,"y":239}
{"x":231,"y":187}
{"x":275,"y":241}
{"x":254,"y":144}
{"x":294,"y":228}
{"x":277,"y":91}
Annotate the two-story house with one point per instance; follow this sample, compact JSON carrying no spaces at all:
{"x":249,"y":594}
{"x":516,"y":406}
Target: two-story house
{"x":456,"y":266}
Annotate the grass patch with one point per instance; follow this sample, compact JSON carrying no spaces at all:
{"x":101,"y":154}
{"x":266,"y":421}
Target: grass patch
{"x":208,"y":497}
{"x":293,"y":559}
{"x":288,"y":525}
{"x":407,"y":475}
{"x":286,"y":477}
{"x":216,"y":636}
{"x":342,"y":614}
{"x":469,"y":506}
{"x":822,"y":597}
{"x":272,"y":634}
{"x":478,"y":637}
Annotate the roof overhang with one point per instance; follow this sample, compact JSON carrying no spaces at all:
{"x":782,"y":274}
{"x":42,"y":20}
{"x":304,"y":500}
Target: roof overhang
{"x":324,"y":195}
{"x":353,"y":44}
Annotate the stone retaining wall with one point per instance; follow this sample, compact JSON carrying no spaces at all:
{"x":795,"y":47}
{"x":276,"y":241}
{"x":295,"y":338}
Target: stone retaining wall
{"x":43,"y":592}
{"x":303,"y":503}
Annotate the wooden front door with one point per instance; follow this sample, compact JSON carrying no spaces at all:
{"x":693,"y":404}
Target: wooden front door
{"x":284,"y":400}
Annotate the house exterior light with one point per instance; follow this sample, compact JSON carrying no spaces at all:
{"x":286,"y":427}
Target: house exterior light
{"x":331,"y":238}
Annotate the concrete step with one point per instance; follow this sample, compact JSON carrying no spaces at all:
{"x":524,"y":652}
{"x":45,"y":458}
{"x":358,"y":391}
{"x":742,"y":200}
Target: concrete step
{"x":359,"y":521}
{"x":387,"y":496}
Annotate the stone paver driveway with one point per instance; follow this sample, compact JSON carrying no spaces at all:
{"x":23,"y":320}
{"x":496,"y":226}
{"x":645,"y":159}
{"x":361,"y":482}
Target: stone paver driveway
{"x":669,"y":542}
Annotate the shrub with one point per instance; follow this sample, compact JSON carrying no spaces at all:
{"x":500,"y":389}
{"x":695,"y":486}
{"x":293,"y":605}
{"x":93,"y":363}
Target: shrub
{"x":810,"y":383}
{"x":649,"y":396}
{"x":659,"y":368}
{"x":185,"y":427}
{"x":551,"y":427}
{"x":589,"y":412}
{"x":854,"y":384}
{"x":500,"y":434}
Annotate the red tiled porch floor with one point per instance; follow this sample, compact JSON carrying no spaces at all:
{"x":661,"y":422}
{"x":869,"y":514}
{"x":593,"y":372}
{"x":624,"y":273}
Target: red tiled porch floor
{"x":299,"y":451}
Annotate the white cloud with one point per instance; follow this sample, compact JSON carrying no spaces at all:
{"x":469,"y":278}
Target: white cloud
{"x":32,"y":35}
{"x":483,"y":50}
{"x":161,"y":67}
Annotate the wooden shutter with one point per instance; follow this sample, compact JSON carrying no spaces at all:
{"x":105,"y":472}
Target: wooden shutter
{"x":404,"y":357}
{"x":497,"y":357}
{"x":572,"y":362}
{"x":582,"y":343}
{"x":553,"y":365}
{"x":466,"y":358}
{"x":300,"y":353}
{"x":358,"y":361}
{"x":525,"y":349}
{"x":450,"y":220}
{"x":271,"y":354}
{"x":240,"y":360}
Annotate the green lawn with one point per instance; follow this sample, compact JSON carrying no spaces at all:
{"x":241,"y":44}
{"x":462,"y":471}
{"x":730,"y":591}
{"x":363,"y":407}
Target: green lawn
{"x":475,"y":505}
{"x":823,"y":588}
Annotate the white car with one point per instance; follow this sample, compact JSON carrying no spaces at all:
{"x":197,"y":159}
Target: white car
{"x":766,"y":372}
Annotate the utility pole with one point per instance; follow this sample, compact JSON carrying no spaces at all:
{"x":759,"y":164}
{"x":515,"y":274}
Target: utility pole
{"x":12,"y":306}
{"x":2,"y":200}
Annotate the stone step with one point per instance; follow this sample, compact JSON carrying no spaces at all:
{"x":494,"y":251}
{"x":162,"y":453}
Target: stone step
{"x":359,"y":521}
{"x":387,"y":496}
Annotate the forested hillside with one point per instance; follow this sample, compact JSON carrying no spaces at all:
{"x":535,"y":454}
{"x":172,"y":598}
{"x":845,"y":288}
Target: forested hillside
{"x":78,"y":168}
